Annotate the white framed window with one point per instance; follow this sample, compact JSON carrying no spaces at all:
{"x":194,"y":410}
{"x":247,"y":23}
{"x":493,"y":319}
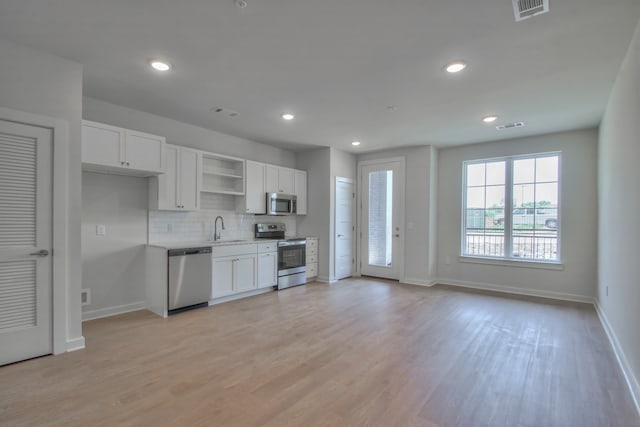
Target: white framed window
{"x":529,"y":231}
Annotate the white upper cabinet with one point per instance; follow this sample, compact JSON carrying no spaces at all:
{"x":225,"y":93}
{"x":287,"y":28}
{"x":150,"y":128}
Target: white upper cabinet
{"x":112,"y":149}
{"x":300,"y":190}
{"x":144,"y":151}
{"x":179,"y":187}
{"x":285,"y":180}
{"x":279,"y":180}
{"x":255,"y":195}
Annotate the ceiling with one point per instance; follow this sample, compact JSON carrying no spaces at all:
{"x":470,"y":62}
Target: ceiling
{"x":339,"y":65}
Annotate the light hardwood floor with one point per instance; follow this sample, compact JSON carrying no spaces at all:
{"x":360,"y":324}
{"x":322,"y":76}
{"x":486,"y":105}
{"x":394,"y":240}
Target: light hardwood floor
{"x":359,"y":352}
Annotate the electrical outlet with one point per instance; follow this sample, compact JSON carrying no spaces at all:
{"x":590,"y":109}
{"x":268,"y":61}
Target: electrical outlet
{"x":169,"y":228}
{"x":101,"y":230}
{"x":85,"y":296}
{"x":607,"y":290}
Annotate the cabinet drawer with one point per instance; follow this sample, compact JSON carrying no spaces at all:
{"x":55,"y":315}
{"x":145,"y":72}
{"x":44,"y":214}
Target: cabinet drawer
{"x":230,"y":250}
{"x":267,"y":247}
{"x":312,"y":243}
{"x":312,"y":251}
{"x":311,"y":259}
{"x":312,"y":270}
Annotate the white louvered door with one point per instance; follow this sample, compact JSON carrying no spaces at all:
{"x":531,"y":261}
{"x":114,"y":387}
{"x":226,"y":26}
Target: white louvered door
{"x":25,"y":242}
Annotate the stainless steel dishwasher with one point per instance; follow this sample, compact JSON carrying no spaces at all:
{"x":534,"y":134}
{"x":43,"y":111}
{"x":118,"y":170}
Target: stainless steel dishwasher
{"x":189,"y":278}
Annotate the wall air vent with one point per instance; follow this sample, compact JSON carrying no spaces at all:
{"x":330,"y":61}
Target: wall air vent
{"x":510,"y":126}
{"x":524,"y":9}
{"x":224,"y":111}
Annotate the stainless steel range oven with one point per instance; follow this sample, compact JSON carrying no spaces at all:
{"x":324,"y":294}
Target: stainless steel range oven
{"x":292,"y":254}
{"x":292,"y":262}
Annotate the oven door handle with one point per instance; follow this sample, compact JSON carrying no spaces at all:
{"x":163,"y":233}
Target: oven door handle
{"x":298,"y":243}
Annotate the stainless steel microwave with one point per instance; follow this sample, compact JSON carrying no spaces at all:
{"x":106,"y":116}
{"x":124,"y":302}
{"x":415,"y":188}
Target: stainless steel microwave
{"x":281,"y":204}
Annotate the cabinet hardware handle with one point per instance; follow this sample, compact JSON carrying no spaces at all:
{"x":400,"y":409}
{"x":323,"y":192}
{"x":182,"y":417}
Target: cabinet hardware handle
{"x":127,"y":163}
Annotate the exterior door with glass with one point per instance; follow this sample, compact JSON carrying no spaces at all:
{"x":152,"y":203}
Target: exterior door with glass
{"x":382,"y":218}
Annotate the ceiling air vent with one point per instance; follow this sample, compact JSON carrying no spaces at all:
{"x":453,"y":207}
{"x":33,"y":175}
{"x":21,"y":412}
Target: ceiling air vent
{"x":224,"y":111}
{"x":524,"y":9}
{"x":510,"y":126}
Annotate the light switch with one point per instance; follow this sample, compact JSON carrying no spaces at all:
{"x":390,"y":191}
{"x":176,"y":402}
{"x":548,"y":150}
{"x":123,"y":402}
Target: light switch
{"x":101,"y":230}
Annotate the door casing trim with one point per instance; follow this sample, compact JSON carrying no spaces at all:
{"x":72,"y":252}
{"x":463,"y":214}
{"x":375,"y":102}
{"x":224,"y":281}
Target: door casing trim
{"x":402,"y":216}
{"x":60,"y":221}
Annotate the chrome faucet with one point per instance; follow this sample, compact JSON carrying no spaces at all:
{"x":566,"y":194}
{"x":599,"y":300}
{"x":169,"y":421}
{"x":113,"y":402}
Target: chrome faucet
{"x":216,"y":233}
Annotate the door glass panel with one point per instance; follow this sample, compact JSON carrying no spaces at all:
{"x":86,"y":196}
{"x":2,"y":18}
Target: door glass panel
{"x":380,"y":218}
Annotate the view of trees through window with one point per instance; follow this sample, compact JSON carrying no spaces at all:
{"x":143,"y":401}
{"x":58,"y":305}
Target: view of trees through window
{"x":529,"y":230}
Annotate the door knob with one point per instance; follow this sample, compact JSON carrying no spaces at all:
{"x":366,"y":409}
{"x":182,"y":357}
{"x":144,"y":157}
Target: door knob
{"x":41,"y":253}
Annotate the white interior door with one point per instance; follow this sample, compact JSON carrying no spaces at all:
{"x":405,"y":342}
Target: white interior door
{"x":344,"y":227}
{"x":382,"y":185}
{"x":25,"y":242}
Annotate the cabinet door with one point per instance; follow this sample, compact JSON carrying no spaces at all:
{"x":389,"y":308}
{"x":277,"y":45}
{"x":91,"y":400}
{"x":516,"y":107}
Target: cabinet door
{"x":255,"y":198}
{"x":301,"y":191}
{"x":189,"y":179}
{"x":144,"y":152}
{"x":286,"y":181}
{"x":168,"y":181}
{"x":222,"y":277}
{"x":271,"y":179}
{"x":267,"y":269}
{"x":102,"y":144}
{"x":244,"y":273}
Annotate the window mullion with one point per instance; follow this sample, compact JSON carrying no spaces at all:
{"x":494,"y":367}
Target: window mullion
{"x":508,"y":210}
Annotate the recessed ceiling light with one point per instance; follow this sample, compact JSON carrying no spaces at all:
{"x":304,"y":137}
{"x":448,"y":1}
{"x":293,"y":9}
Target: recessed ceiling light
{"x":456,"y":67}
{"x":356,"y":143}
{"x":288,"y":116}
{"x":160,"y":65}
{"x":490,"y":119}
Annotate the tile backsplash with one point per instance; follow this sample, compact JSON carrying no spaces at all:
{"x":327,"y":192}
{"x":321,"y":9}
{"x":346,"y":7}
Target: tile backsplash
{"x":185,"y":227}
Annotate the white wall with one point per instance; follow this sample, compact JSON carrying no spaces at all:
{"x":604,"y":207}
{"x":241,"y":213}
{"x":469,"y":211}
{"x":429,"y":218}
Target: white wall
{"x":578,"y":222}
{"x":43,"y":84}
{"x":317,"y":223}
{"x":184,"y":134}
{"x":113,"y":265}
{"x":420,"y":190}
{"x":619,"y":205}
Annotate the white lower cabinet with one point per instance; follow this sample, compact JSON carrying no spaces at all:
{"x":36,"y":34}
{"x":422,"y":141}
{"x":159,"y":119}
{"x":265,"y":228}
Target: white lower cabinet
{"x":222,"y":277}
{"x":267,"y":269}
{"x":244,"y":273}
{"x":237,"y":269}
{"x":312,"y":257}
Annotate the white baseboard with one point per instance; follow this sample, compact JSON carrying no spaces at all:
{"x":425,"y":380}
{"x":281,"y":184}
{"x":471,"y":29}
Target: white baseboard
{"x":518,"y":291}
{"x":325,"y":279}
{"x":112,"y":311}
{"x":75,"y":344}
{"x":241,"y":296}
{"x":632,"y":381}
{"x":418,"y":282}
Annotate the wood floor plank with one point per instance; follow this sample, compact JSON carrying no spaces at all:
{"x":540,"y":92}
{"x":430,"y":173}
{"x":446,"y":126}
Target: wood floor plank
{"x":359,"y":352}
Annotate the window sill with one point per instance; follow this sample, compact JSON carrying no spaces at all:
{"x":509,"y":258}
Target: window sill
{"x":543,"y":265}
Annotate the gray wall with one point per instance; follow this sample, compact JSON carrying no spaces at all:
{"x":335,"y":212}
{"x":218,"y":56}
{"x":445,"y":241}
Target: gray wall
{"x":40,"y":83}
{"x":184,"y":134}
{"x":578,"y":224}
{"x":619,"y":204}
{"x":317,"y":222}
{"x":113,"y":265}
{"x":420,"y":189}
